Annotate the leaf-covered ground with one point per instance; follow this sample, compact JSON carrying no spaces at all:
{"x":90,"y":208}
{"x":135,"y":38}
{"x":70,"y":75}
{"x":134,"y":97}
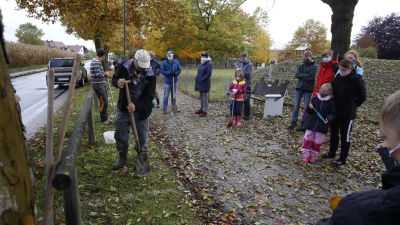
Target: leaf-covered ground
{"x":253,"y":174}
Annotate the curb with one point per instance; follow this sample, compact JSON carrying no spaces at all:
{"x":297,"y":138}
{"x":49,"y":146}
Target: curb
{"x":24,"y":73}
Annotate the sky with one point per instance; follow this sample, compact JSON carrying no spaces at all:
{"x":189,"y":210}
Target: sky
{"x":288,"y":15}
{"x":13,"y":18}
{"x":285,"y":17}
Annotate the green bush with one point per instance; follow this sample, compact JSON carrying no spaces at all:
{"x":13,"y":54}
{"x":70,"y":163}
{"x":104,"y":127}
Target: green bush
{"x":369,"y":52}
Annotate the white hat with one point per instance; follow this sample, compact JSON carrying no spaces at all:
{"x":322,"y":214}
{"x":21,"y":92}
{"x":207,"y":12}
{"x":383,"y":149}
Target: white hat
{"x":143,"y":58}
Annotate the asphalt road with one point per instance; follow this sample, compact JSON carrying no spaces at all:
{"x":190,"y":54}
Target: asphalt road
{"x":33,"y":92}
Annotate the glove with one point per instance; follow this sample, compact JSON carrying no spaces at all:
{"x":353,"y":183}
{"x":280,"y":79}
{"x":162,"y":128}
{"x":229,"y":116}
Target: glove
{"x":174,"y":74}
{"x":234,"y":91}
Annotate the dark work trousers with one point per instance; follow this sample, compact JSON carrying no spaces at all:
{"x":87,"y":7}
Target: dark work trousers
{"x":344,"y":126}
{"x":101,"y":92}
{"x":123,"y":125}
{"x":246,"y":107}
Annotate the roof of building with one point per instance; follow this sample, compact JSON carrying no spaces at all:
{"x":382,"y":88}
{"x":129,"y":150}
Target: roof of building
{"x":302,"y":47}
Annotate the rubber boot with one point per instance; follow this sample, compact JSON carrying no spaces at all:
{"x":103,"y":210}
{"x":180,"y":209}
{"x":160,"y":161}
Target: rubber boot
{"x":238,"y":120}
{"x":234,"y":120}
{"x":123,"y":156}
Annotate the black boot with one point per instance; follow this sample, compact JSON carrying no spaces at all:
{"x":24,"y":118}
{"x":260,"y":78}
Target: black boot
{"x":123,"y":156}
{"x":293,"y":125}
{"x":301,"y":127}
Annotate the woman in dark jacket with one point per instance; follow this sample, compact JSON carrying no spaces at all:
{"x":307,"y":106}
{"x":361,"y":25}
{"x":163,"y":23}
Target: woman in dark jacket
{"x":349,"y":91}
{"x":203,"y":83}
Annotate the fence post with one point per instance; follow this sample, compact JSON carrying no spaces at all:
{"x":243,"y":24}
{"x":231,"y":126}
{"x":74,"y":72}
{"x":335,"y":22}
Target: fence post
{"x":90,"y":121}
{"x":49,"y":135}
{"x":72,"y":208}
{"x":187,"y":77}
{"x":270,"y":72}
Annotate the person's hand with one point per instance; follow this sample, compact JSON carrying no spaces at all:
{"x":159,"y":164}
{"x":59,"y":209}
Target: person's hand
{"x":131,"y":107}
{"x":234,"y":91}
{"x":310,"y":105}
{"x":121,"y":83}
{"x":326,"y":121}
{"x":174,"y":74}
{"x":17,"y":98}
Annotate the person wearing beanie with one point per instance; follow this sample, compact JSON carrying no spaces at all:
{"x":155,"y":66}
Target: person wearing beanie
{"x":247,"y":67}
{"x":171,"y":69}
{"x":327,"y":70}
{"x":142,"y":88}
{"x":203,"y":83}
{"x":305,"y":86}
{"x":99,"y":84}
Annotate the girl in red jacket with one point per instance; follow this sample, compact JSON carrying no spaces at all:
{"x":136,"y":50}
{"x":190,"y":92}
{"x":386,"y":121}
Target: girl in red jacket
{"x":238,"y":89}
{"x":327,"y":70}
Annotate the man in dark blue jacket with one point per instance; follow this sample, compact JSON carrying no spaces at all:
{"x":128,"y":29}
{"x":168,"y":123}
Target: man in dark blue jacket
{"x":171,"y":69}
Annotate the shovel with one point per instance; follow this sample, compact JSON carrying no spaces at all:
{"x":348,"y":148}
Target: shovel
{"x":319,"y":115}
{"x":141,"y":161}
{"x":174,"y":108}
{"x":230,"y":123}
{"x":112,"y":98}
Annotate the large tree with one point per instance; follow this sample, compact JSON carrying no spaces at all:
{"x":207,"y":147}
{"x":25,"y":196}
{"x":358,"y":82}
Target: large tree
{"x":385,"y":33}
{"x":16,"y":188}
{"x":28,"y":33}
{"x":312,"y":33}
{"x":342,"y":23}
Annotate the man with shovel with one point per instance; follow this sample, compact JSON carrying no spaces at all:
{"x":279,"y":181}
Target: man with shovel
{"x":135,"y":77}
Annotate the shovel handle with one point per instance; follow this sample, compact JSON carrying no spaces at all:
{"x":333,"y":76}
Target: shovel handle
{"x":133,"y":123}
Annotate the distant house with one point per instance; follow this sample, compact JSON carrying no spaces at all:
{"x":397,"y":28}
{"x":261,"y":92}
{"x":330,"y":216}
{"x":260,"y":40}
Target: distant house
{"x":78,"y":49}
{"x":55,"y":44}
{"x":60,"y":45}
{"x":301,"y":49}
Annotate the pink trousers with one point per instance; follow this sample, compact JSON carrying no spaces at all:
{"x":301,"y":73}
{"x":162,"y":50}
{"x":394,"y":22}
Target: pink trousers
{"x":312,"y":143}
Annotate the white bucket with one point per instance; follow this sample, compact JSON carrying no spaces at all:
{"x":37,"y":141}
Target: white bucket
{"x":109,"y":137}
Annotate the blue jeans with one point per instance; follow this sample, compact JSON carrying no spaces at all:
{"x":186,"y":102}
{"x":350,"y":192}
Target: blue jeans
{"x":167,"y":90}
{"x":297,"y":98}
{"x":237,"y":110}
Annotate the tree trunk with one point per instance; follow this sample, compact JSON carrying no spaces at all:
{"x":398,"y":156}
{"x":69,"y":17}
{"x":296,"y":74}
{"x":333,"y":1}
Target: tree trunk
{"x":99,"y":44}
{"x":342,"y":23}
{"x":16,"y":191}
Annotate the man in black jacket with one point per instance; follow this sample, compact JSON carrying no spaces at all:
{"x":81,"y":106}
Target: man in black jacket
{"x":142,"y":91}
{"x":377,"y":207}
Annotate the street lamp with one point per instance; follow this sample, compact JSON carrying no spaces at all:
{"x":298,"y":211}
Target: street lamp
{"x":124,"y":30}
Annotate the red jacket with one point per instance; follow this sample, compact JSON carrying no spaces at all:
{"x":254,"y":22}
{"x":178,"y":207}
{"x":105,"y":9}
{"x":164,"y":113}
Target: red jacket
{"x":327,"y":71}
{"x":241,"y":87}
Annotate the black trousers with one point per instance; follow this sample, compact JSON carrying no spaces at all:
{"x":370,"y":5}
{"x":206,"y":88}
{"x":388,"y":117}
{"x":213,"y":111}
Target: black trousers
{"x":344,"y":127}
{"x":246,"y":103}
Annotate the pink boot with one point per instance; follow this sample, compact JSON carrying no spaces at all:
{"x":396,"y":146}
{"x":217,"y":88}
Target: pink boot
{"x":234,"y":120}
{"x":239,"y":120}
{"x":305,"y":159}
{"x":312,"y":159}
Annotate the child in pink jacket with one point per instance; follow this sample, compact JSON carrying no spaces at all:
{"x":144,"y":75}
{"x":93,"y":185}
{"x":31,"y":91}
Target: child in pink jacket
{"x":238,"y":89}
